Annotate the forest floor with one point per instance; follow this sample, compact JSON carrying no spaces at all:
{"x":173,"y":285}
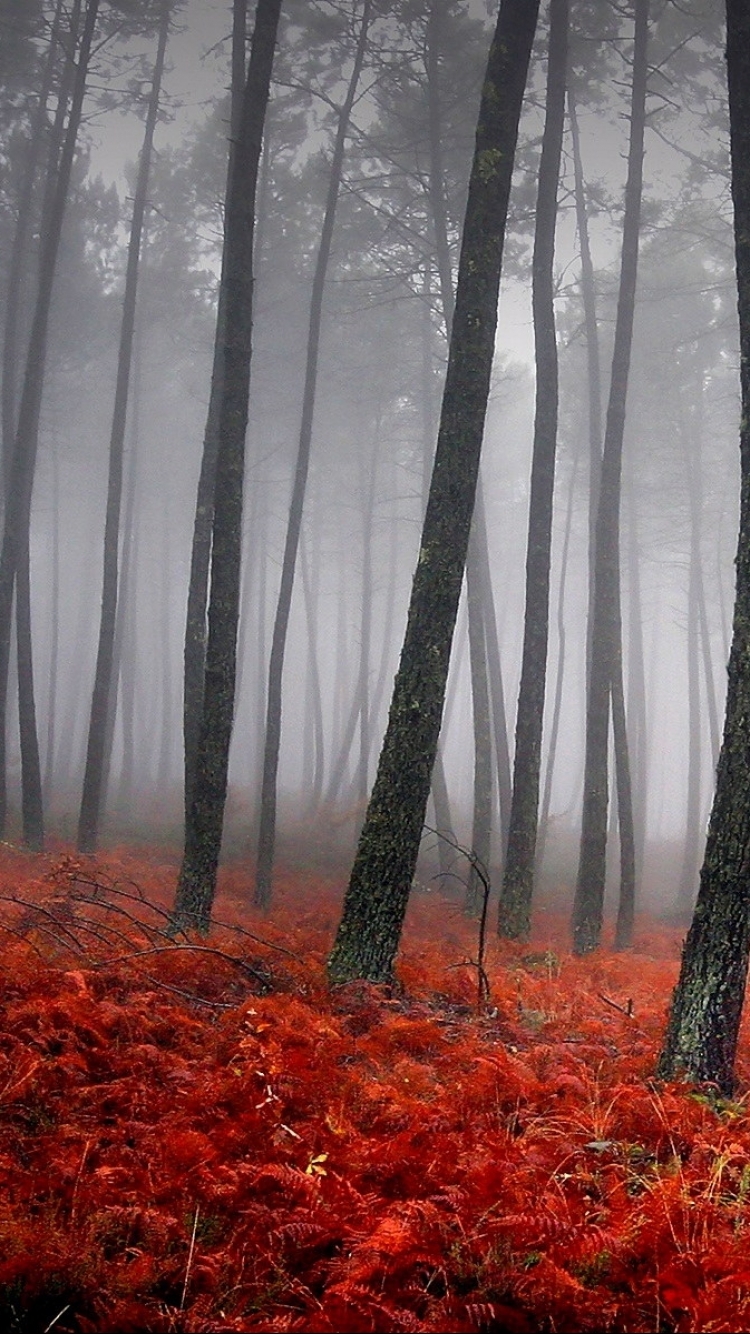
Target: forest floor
{"x":206,"y":1138}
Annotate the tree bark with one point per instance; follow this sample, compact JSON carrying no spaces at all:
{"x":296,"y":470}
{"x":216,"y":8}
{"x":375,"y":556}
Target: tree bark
{"x":514,"y":918}
{"x":196,"y":628}
{"x":196,"y":886}
{"x":701,"y":1038}
{"x":606,"y":633}
{"x":384,"y":864}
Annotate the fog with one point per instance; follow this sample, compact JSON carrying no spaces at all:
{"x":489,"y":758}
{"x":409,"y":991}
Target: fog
{"x":380,"y":372}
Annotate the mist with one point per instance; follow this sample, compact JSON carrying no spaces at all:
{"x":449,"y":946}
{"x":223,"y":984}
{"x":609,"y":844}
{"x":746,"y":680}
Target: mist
{"x":380,"y":373}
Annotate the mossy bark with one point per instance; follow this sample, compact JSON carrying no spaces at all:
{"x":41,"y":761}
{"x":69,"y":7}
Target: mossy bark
{"x":197,"y":881}
{"x":704,"y":1020}
{"x":381,"y":877}
{"x":518,"y":879}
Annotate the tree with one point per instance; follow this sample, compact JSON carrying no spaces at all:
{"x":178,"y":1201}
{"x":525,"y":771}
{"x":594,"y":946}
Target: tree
{"x":197,"y":880}
{"x":196,"y":628}
{"x":102,"y":704}
{"x":702,"y":1032}
{"x":23,"y":463}
{"x":381,"y":877}
{"x":267,"y":822}
{"x":606,"y":630}
{"x":518,"y":878}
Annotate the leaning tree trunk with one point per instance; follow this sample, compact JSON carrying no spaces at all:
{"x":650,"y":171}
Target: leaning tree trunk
{"x":102,"y":703}
{"x":268,"y":796}
{"x":23,"y":463}
{"x":704,"y":1019}
{"x":518,"y":880}
{"x":386,"y":857}
{"x":481,"y":618}
{"x":606,"y":629}
{"x":196,"y":886}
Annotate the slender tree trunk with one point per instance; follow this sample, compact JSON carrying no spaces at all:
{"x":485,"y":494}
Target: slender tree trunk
{"x":383,"y":870}
{"x":196,"y":626}
{"x":588,"y":296}
{"x":197,"y":881}
{"x":32,"y":799}
{"x":518,"y":880}
{"x":691,"y":846}
{"x":497,"y":689}
{"x":636,"y":710}
{"x":93,"y":796}
{"x":440,"y":795}
{"x":478,"y":580}
{"x":315,"y":711}
{"x":626,"y":907}
{"x":606,"y":623}
{"x":543,"y":832}
{"x":22,"y":234}
{"x":23,"y":464}
{"x":267,"y":820}
{"x":704,"y":1020}
{"x":32,"y":806}
{"x":365,"y":621}
{"x":628,"y":850}
{"x":54,"y":620}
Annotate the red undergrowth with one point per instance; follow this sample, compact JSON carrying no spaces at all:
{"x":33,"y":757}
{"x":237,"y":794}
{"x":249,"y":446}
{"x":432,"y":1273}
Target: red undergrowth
{"x":199,"y":1139}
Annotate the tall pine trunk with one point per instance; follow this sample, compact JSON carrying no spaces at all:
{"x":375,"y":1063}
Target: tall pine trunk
{"x":105,"y":682}
{"x":381,"y":878}
{"x":606,"y":628}
{"x":196,"y":886}
{"x":23,"y":463}
{"x":518,"y":879}
{"x":706,"y":1009}
{"x":196,"y":628}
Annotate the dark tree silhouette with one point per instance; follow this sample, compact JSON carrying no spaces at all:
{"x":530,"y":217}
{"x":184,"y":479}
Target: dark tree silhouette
{"x":704,"y":1019}
{"x":381,"y":878}
{"x":102,"y":702}
{"x":196,"y":628}
{"x":518,"y":878}
{"x":20,"y":481}
{"x":606,"y":630}
{"x":197,"y":881}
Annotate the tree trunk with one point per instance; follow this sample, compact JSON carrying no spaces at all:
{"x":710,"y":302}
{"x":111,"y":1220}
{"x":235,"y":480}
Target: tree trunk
{"x":518,"y":880}
{"x":554,"y":733}
{"x":196,"y":628}
{"x":481,"y":829}
{"x":478,"y":581}
{"x":267,"y":817}
{"x":196,"y":887}
{"x":606,"y":633}
{"x":93,"y":795}
{"x":23,"y":463}
{"x":383,"y":870}
{"x":704,"y":1019}
{"x":22,"y":234}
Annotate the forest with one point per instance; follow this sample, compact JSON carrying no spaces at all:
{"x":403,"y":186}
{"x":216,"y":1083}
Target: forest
{"x":374,"y":665}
